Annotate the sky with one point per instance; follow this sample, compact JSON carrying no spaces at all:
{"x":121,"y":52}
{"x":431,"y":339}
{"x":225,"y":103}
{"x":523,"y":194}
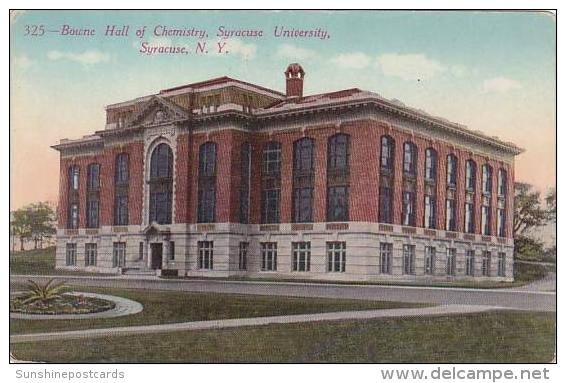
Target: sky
{"x":491,"y":71}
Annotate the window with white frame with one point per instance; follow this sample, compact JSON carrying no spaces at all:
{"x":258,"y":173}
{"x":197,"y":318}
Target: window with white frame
{"x":243,"y":256}
{"x":205,"y":255}
{"x":430,"y":255}
{"x":386,"y":257}
{"x":301,"y":256}
{"x":336,"y":256}
{"x":119,"y":254}
{"x":409,"y":259}
{"x":269,"y":256}
{"x":451,"y":261}
{"x":71,"y":254}
{"x":90,"y":254}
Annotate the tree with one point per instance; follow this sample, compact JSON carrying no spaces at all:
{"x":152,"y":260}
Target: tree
{"x":35,"y":221}
{"x":528,"y":249}
{"x":551,"y":205}
{"x":21,"y":226}
{"x":528,"y":210}
{"x":42,"y":218}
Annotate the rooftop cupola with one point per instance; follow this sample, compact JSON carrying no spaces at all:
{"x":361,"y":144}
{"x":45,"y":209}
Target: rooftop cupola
{"x":294,"y":76}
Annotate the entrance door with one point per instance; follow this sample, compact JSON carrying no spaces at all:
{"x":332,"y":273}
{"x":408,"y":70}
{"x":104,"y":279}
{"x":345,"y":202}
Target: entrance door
{"x":156,"y":255}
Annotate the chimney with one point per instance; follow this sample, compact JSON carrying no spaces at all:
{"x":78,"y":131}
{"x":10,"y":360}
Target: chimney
{"x":294,"y":76}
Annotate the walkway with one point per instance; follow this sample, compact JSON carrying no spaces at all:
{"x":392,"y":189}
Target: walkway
{"x":259,"y":321}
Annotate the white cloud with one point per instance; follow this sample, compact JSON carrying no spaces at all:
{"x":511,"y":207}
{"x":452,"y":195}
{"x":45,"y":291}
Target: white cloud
{"x":295,"y":53}
{"x":22,"y":62}
{"x":459,"y":71}
{"x":238,"y":47}
{"x":89,"y":57}
{"x":354,"y":60}
{"x":409,"y":66}
{"x":500,"y":84}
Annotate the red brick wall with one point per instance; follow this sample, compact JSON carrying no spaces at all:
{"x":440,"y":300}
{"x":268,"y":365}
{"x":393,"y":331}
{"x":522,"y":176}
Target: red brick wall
{"x":364,"y":176}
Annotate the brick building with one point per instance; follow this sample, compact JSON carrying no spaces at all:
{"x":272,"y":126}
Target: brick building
{"x":223,"y":177}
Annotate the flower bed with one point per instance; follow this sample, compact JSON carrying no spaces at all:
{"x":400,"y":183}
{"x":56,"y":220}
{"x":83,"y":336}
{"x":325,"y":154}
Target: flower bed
{"x":65,"y":304}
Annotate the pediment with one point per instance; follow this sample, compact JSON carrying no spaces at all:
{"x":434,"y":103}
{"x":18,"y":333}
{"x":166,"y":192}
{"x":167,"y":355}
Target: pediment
{"x":154,"y":229}
{"x":158,"y":110}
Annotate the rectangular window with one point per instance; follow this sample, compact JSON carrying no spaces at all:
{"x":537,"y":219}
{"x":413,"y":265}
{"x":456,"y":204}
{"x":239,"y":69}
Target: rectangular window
{"x":336,"y":252}
{"x":486,"y":264}
{"x":271,"y":206}
{"x":93,"y":181}
{"x":470,"y":259}
{"x":501,"y":265}
{"x":429,"y":212}
{"x":485,"y":220}
{"x":408,"y":209}
{"x":73,"y":216}
{"x":386,"y":257}
{"x":245,"y":172}
{"x":205,"y":255}
{"x":90,"y":254}
{"x":243,"y":256}
{"x":385,"y":203}
{"x":469,"y":217}
{"x":92,"y":212}
{"x":409,"y":259}
{"x":269,"y":256}
{"x":121,"y":210}
{"x":451,"y":262}
{"x":171,"y":251}
{"x":450,"y":215}
{"x":303,"y":201}
{"x":301,"y":256}
{"x":71,"y":254}
{"x":430,"y":260}
{"x":140,"y":252}
{"x":501,"y":222}
{"x":502,"y":185}
{"x":119,"y":254}
{"x":337,"y":210}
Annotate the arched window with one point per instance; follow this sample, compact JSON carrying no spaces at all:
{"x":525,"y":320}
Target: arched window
{"x":271,"y":183}
{"x":245,"y":174}
{"x":387,"y":153}
{"x":74,"y":178}
{"x":161,"y":184}
{"x":338,"y":178}
{"x":501,"y":202}
{"x":409,"y":159}
{"x":409,"y":174}
{"x":502,"y":185}
{"x":121,"y":178}
{"x":387,"y":160}
{"x":487,"y":183}
{"x":207,"y":183}
{"x":93,"y":195}
{"x":73,"y":198}
{"x":451,"y":170}
{"x":470,"y":175}
{"x":303,"y":180}
{"x":430,"y":164}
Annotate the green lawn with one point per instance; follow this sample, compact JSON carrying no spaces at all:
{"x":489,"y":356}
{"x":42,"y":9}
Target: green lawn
{"x":503,"y":337}
{"x":38,"y":262}
{"x":170,"y":307}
